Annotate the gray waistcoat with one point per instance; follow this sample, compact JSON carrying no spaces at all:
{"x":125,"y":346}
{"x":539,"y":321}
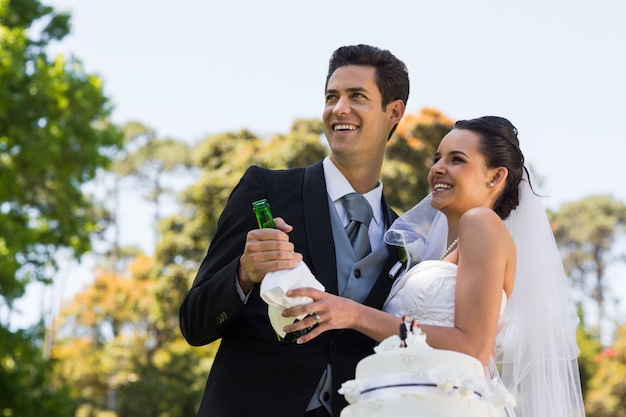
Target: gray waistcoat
{"x":354,"y":280}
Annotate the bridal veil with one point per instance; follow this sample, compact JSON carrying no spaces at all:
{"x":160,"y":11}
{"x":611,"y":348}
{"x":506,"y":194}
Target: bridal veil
{"x":536,"y":349}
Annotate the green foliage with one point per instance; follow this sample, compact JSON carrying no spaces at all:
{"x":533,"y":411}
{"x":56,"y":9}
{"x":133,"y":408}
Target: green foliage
{"x":148,"y":161}
{"x":118,"y":350}
{"x":590,"y":349}
{"x":169,"y":386}
{"x":606,"y":396}
{"x":409,"y":157}
{"x":300,"y":147}
{"x":586,"y":231}
{"x":125,"y":325}
{"x":146,"y":157}
{"x":53,"y":139}
{"x":223,"y":158}
{"x":591,"y":225}
{"x":133,"y":360}
{"x":26,"y":379}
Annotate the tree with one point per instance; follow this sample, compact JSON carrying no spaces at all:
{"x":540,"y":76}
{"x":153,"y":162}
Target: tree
{"x":590,"y":350}
{"x":125,"y":325}
{"x":223,"y":158}
{"x":409,"y":157}
{"x":148,"y":159}
{"x":132,"y":358}
{"x":53,"y":139}
{"x":26,"y":379}
{"x":607,"y":389}
{"x":585,"y":232}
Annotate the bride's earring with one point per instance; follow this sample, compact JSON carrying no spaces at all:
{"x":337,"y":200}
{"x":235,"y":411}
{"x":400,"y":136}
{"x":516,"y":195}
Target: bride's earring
{"x":492,"y":184}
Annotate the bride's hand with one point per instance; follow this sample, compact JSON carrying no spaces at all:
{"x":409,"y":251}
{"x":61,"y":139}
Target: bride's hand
{"x":333,"y":312}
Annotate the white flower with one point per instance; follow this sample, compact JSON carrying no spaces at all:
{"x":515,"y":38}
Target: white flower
{"x":445,"y":386}
{"x":407,"y":356}
{"x":375,"y":404}
{"x":419,"y":371}
{"x":444,"y":377}
{"x":500,"y":396}
{"x":352,"y":390}
{"x":469,"y":385}
{"x":390,"y":343}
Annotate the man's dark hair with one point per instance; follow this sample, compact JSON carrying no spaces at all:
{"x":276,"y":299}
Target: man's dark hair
{"x":392,"y":76}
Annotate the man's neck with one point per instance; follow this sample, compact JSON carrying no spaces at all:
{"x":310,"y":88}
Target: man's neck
{"x":363,"y":178}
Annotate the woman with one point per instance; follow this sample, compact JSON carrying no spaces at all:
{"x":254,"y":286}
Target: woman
{"x":496,"y":285}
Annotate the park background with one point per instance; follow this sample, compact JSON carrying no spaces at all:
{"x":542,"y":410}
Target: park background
{"x":202,"y":72}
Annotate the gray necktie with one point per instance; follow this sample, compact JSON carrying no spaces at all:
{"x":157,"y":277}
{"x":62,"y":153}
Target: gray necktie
{"x":360,"y":214}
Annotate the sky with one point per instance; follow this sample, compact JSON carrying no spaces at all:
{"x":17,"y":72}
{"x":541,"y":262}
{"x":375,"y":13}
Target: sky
{"x":191,"y":68}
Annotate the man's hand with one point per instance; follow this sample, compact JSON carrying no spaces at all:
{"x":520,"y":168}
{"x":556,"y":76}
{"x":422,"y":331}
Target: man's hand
{"x":327,"y":311}
{"x":266,"y":250}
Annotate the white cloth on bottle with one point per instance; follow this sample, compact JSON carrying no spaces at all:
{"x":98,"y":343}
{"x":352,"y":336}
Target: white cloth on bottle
{"x":277,"y":283}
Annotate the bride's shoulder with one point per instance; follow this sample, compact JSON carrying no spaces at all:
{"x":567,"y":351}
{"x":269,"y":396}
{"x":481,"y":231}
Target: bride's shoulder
{"x":484,"y":221}
{"x":481,"y":215}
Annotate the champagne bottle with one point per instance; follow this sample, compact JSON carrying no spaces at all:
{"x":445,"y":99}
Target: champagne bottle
{"x":266,"y":221}
{"x":263,"y":214}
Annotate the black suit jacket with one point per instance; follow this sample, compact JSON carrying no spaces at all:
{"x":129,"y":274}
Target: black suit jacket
{"x":403,"y":330}
{"x":253,"y":373}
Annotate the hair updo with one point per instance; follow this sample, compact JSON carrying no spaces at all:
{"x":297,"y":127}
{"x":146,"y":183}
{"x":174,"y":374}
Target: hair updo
{"x":500,"y":147}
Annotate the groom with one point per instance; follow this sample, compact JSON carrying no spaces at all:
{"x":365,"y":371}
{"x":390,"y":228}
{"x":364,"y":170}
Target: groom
{"x":253,"y":374}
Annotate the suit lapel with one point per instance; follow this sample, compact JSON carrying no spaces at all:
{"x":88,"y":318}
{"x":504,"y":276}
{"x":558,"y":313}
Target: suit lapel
{"x":320,"y":238}
{"x":382,"y":286}
{"x":318,"y":229}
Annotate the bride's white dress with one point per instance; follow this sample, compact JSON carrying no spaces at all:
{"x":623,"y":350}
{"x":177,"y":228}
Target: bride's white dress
{"x":426,"y":293}
{"x":536,"y":339}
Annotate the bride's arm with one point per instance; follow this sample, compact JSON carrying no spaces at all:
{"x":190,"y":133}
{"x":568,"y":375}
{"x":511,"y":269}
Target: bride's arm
{"x":486,"y":253}
{"x":337,"y":312}
{"x":486,"y":265}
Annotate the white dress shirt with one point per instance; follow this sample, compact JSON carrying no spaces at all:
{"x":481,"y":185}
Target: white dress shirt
{"x":338,"y":186}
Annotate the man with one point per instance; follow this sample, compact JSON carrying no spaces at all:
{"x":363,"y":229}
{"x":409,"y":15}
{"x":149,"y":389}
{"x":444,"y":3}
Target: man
{"x":404,"y":330}
{"x":253,"y":374}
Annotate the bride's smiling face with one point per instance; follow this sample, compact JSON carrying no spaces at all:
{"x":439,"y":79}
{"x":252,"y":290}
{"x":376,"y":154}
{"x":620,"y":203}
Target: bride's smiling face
{"x":459,"y":178}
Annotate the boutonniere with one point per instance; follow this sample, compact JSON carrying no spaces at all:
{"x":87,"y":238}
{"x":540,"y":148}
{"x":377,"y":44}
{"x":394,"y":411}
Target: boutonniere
{"x":395,"y":270}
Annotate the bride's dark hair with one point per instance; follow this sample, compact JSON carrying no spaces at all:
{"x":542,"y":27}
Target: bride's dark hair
{"x":500,"y":147}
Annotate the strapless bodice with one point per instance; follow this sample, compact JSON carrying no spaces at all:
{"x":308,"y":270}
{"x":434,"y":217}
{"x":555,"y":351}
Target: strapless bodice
{"x":426,"y":293}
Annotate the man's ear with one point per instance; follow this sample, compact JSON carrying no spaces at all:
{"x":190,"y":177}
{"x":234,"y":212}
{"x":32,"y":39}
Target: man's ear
{"x":397,"y":111}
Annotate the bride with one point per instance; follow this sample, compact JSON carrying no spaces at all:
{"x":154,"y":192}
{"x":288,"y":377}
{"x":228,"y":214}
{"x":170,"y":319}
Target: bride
{"x":496,"y":292}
